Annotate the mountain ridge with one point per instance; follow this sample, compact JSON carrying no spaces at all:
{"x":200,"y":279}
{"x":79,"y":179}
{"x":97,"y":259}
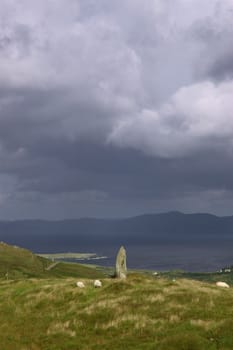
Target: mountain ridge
{"x":172,"y":212}
{"x":40,"y":235}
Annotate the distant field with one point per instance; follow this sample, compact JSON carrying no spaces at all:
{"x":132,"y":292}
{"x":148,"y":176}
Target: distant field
{"x":68,"y":255}
{"x":201,"y":276}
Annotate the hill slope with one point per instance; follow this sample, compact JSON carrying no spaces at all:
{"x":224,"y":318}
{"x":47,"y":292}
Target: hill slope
{"x":16,"y":263}
{"x":140,"y":313}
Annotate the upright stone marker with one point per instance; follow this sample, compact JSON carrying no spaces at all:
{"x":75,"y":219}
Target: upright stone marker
{"x":121,"y":269}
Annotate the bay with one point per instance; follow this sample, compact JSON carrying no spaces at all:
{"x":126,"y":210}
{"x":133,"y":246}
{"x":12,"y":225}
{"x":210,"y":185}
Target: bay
{"x":194,"y":256}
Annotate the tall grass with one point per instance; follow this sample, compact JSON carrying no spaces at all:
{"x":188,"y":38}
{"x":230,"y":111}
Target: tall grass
{"x":140,"y":313}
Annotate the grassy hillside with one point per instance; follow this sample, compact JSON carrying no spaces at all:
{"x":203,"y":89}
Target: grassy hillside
{"x":18,"y":263}
{"x":201,"y":276}
{"x":42,"y":309}
{"x":141,"y":313}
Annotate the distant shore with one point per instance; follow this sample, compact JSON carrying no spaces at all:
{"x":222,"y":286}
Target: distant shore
{"x":78,"y":256}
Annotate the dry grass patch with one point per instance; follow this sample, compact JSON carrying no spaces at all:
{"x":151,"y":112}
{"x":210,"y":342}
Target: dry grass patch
{"x":197,"y":286}
{"x":205,"y":324}
{"x":61,"y":327}
{"x":174,"y":318}
{"x":156,"y":298}
{"x":116,"y":304}
{"x":138,"y":321}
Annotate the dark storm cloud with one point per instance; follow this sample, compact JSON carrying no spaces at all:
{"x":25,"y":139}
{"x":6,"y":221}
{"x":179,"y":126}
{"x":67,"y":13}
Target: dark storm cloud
{"x":120,"y":173}
{"x":114,"y":107}
{"x":222,"y":68}
{"x":215,"y":34}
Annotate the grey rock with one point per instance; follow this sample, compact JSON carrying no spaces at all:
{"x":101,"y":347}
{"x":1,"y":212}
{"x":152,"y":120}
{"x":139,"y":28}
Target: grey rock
{"x":121,"y":269}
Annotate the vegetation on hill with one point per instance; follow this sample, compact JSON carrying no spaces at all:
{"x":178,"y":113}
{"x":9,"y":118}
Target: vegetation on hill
{"x":140,"y":313}
{"x":41,"y":308}
{"x":18,"y":263}
{"x":201,"y":276}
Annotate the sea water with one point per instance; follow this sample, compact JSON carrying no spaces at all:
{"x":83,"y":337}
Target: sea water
{"x":198,"y":256}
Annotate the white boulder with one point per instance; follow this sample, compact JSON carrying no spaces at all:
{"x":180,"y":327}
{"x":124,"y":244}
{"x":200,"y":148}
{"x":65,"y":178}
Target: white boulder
{"x":222,"y":285}
{"x":80,"y":285}
{"x":97,"y":284}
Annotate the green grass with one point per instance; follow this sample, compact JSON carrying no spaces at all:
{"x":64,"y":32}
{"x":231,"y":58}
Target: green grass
{"x":201,"y":276}
{"x":64,"y":269}
{"x":140,"y":313}
{"x":43,"y":309}
{"x":18,"y":263}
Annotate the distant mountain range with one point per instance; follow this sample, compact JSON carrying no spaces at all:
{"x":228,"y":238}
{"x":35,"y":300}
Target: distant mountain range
{"x":76,"y":234}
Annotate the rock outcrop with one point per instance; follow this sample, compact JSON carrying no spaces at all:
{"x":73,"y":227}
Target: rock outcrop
{"x":121,"y":269}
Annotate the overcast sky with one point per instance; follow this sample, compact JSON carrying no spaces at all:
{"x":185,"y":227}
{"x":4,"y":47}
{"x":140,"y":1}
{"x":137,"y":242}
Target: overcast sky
{"x":114,"y":108}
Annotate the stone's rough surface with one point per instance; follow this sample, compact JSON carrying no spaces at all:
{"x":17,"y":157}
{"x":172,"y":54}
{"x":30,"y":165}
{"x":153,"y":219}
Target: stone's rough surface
{"x":121,"y":269}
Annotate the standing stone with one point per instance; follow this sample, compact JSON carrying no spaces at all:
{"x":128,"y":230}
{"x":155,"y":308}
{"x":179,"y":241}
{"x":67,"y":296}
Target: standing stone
{"x":121,"y":269}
